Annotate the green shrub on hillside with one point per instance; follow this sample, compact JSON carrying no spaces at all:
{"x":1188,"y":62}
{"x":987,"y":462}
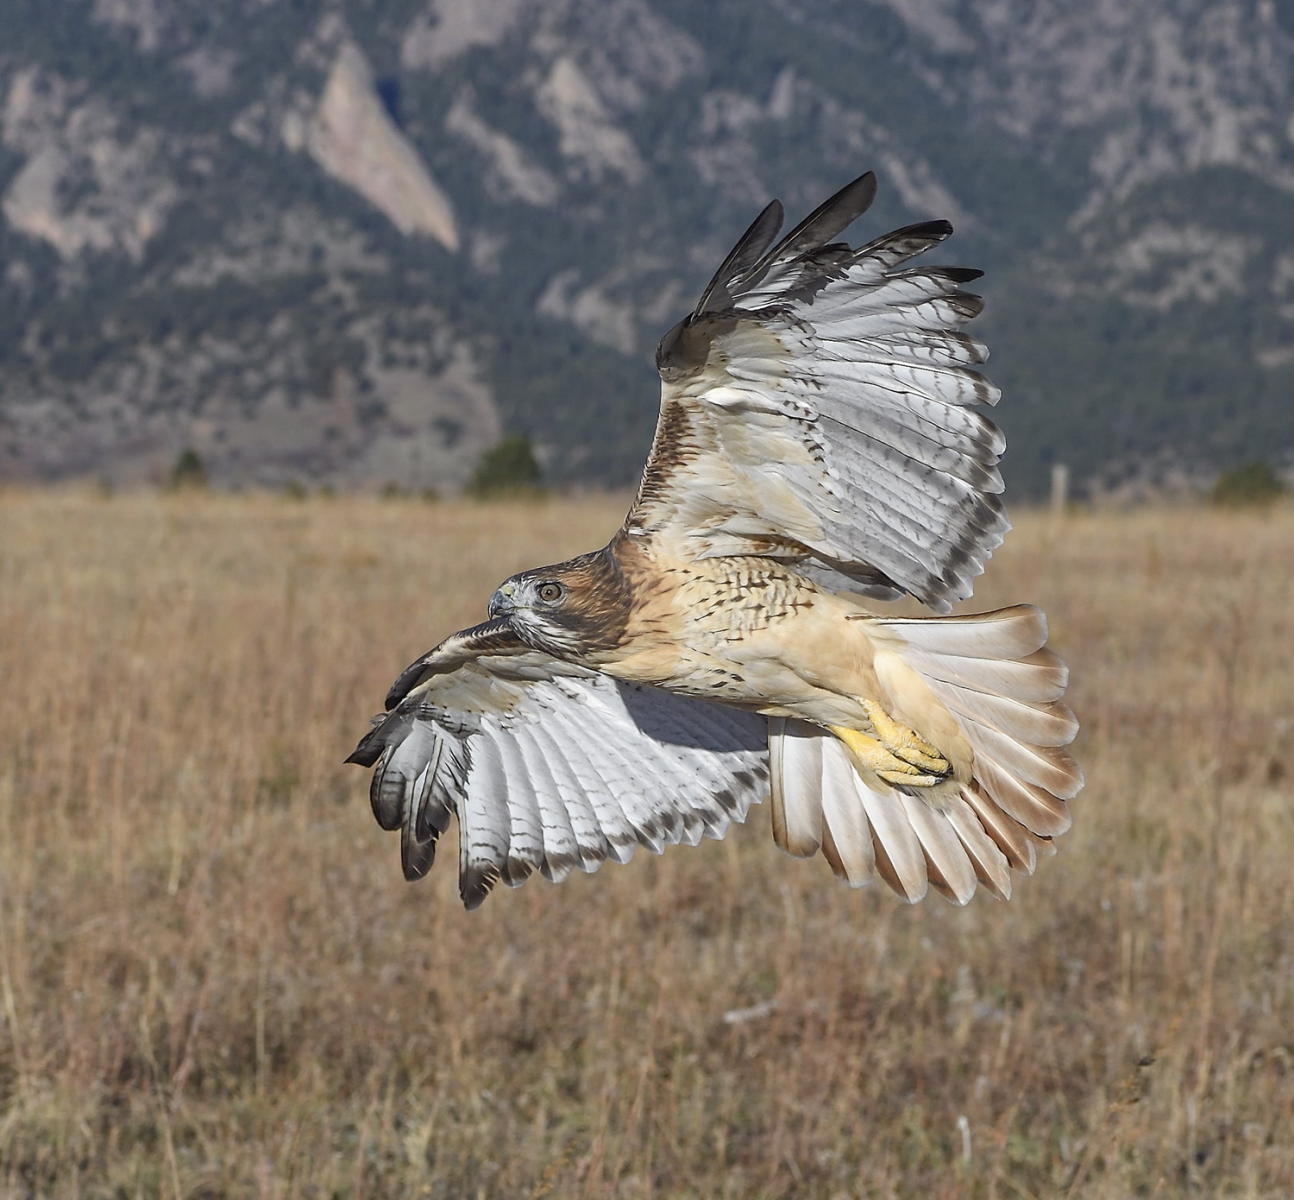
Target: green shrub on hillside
{"x":189,"y":471}
{"x":508,"y":468}
{"x":1251,"y":483}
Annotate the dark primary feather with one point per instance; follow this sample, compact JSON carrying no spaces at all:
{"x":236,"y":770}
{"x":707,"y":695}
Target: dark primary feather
{"x":751,"y":257}
{"x":890,"y":249}
{"x":830,"y":217}
{"x":748,"y":251}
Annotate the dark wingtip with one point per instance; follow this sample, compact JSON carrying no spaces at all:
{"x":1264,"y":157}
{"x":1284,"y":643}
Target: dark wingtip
{"x":831,"y":217}
{"x":370,"y":747}
{"x":416,"y":858}
{"x":933,"y":232}
{"x":474,"y":884}
{"x":405,"y":682}
{"x":745,"y":254}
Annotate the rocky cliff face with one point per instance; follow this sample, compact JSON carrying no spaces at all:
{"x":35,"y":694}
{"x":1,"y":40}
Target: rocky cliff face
{"x":89,"y":181}
{"x":352,"y":246}
{"x":351,"y":136}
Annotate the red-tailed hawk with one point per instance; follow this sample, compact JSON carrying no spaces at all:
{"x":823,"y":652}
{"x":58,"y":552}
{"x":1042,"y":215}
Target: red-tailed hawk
{"x":818,"y":444}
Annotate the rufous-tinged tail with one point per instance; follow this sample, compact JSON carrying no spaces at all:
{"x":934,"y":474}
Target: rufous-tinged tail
{"x":987,"y":692}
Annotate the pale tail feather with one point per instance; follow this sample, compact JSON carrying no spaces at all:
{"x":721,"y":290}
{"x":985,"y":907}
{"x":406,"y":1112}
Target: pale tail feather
{"x":1014,"y":719}
{"x":848,"y":841}
{"x":993,"y":673}
{"x":795,"y":785}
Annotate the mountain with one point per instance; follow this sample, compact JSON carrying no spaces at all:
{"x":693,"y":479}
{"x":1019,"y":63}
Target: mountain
{"x":355,"y":242}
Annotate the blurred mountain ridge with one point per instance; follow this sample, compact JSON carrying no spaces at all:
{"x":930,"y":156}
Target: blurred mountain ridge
{"x":355,"y":242}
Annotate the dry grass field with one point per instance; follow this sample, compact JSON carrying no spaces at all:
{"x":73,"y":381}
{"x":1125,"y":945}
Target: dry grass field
{"x":215,"y":982}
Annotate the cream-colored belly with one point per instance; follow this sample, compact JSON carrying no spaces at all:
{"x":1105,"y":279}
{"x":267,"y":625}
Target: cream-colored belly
{"x":751,"y":633}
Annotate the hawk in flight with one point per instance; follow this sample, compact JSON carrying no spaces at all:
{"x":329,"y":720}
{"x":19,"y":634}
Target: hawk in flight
{"x":819,"y":445}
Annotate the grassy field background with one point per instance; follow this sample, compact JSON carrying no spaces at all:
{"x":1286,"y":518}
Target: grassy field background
{"x":215,"y":982}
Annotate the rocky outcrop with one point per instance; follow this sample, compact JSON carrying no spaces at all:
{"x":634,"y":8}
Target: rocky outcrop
{"x":352,"y":137}
{"x":450,"y":27}
{"x":511,"y":170}
{"x":588,"y":135}
{"x":88,"y":183}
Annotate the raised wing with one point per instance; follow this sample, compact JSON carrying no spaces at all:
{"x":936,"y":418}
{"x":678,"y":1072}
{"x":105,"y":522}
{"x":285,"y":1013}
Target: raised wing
{"x":818,"y":407}
{"x":549,"y":766}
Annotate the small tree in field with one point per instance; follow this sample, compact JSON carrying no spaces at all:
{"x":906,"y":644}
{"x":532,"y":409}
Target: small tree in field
{"x":508,"y":468}
{"x":188,"y":472}
{"x":1248,"y":485}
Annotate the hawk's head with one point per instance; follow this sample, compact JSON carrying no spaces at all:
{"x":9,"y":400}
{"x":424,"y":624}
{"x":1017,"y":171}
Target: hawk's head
{"x":569,"y":609}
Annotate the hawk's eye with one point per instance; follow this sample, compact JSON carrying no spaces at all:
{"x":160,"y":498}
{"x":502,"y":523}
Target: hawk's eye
{"x":550,"y":592}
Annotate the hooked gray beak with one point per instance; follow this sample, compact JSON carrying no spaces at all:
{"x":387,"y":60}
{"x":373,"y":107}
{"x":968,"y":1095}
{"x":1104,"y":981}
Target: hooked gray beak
{"x":500,"y":603}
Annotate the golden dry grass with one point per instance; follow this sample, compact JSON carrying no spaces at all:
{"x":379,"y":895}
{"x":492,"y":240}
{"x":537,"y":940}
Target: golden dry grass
{"x":213,"y":980}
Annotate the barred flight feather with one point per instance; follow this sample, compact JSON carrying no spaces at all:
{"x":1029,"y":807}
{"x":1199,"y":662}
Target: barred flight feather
{"x":563,"y":777}
{"x":833,"y":344}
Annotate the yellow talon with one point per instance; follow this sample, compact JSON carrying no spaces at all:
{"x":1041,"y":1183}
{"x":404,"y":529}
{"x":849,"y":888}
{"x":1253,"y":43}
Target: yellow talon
{"x":867,"y":750}
{"x":870,"y":754}
{"x":905,"y":743}
{"x":896,"y":754}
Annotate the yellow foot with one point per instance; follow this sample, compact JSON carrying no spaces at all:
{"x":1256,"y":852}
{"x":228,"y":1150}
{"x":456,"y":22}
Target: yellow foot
{"x":896,"y":754}
{"x":905,"y":743}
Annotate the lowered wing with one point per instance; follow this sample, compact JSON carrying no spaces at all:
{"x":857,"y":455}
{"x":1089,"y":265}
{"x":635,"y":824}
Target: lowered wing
{"x":819,"y":406}
{"x":548,"y":766}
